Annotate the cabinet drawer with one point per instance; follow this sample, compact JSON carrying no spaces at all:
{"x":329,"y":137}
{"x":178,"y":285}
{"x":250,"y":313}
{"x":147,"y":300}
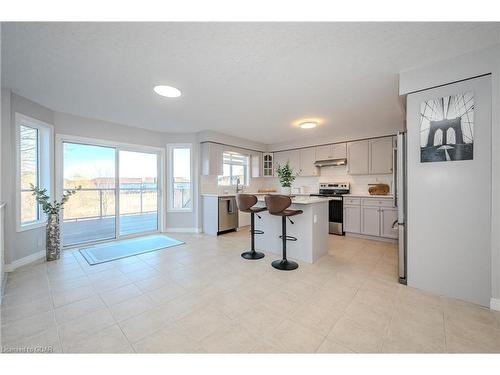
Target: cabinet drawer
{"x":378,"y":202}
{"x":352,"y":201}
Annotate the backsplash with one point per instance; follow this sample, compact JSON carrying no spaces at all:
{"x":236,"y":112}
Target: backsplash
{"x":208,"y":184}
{"x":358,"y":183}
{"x":308,"y":185}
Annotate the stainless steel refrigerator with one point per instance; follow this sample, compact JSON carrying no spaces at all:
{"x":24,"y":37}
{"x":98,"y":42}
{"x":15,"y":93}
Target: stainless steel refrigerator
{"x":399,"y":184}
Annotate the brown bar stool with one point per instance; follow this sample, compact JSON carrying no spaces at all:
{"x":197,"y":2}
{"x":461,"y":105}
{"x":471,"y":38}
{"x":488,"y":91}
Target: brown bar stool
{"x":245,"y":203}
{"x":277,"y":205}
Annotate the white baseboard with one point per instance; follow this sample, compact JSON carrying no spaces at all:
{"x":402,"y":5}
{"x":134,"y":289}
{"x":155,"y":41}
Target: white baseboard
{"x":183,"y":230}
{"x":23,"y":261}
{"x":495,"y":304}
{"x":374,"y":238}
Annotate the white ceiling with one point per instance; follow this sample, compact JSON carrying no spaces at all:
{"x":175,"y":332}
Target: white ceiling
{"x":251,"y":80}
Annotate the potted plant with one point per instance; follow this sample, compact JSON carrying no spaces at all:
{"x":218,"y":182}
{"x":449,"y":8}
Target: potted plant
{"x":286,"y":178}
{"x":53,"y":211}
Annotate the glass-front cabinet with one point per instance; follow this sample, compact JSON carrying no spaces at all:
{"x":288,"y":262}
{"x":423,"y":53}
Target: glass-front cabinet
{"x":267,"y":165}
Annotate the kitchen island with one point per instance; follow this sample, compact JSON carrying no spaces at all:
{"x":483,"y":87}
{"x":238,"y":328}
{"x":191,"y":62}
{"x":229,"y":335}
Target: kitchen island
{"x":310,"y":228}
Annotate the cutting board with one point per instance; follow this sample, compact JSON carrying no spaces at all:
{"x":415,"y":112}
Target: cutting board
{"x":378,"y":189}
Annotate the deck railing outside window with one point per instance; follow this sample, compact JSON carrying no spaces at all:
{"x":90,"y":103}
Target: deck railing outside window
{"x":91,"y":203}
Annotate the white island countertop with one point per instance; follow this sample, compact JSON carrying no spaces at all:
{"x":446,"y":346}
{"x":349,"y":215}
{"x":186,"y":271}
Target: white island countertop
{"x":302,"y":199}
{"x":252,"y":193}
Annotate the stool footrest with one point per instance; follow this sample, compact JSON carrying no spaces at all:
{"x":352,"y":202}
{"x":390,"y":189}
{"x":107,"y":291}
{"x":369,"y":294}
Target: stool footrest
{"x":289,"y":238}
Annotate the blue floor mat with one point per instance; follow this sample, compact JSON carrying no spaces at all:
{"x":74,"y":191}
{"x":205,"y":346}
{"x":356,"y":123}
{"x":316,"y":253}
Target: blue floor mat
{"x":109,"y":251}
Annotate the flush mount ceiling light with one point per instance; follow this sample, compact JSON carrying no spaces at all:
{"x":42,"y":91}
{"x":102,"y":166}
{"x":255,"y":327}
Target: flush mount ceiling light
{"x":167,"y":91}
{"x":308,"y":125}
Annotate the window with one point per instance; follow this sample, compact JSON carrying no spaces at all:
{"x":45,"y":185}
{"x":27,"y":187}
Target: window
{"x":34,"y":160}
{"x":29,"y":152}
{"x":234,"y":168}
{"x":180,"y":187}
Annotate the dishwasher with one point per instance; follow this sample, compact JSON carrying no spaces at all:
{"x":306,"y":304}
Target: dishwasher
{"x":228,"y":214}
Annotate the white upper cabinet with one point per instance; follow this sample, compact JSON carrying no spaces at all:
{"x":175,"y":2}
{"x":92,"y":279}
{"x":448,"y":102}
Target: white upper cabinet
{"x":372,"y":156}
{"x":335,"y":151}
{"x":357,"y":157}
{"x":307,"y":158}
{"x":339,"y":151}
{"x":381,"y":153}
{"x":256,"y":169}
{"x":267,"y":165}
{"x":324,"y":152}
{"x":293,"y":158}
{"x":211,"y":159}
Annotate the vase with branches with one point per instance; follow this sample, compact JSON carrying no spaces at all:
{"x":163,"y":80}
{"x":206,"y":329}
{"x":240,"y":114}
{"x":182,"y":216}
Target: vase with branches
{"x":286,"y":177}
{"x":52,"y":208}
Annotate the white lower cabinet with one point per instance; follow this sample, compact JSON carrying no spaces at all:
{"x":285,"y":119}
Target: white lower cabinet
{"x":370,"y":216}
{"x":352,"y":219}
{"x":370,"y":221}
{"x":388,"y":217}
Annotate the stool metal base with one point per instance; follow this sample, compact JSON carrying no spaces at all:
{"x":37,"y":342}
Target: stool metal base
{"x":252,"y":255}
{"x":285,"y":265}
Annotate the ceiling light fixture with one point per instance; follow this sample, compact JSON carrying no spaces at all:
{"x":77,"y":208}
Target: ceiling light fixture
{"x":308,"y":125}
{"x":167,"y":91}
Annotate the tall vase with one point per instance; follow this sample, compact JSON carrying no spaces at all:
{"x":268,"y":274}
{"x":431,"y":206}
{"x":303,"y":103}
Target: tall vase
{"x":53,"y":237}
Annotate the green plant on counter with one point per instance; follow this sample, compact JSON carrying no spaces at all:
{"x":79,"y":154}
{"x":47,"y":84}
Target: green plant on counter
{"x":285,"y":175}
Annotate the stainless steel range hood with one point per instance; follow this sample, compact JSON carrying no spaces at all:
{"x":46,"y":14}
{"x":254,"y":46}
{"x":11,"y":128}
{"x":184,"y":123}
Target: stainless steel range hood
{"x":330,"y":162}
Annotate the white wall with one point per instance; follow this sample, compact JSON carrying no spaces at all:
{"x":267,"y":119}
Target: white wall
{"x":212,"y":136}
{"x":2,"y":271}
{"x":462,"y":67}
{"x":18,"y":244}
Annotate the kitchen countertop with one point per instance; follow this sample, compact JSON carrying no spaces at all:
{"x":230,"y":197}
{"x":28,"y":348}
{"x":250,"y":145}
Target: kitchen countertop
{"x":304,"y":200}
{"x":257,"y":194}
{"x":367,"y":195}
{"x":217,"y":195}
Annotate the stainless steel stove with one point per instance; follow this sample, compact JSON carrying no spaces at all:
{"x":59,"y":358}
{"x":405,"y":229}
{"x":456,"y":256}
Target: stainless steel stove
{"x":336,"y":207}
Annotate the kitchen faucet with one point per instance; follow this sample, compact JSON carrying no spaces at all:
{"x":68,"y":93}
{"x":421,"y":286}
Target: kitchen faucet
{"x":238,"y":188}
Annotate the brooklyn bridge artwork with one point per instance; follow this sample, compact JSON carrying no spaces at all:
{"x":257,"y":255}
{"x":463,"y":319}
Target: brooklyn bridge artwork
{"x":447,"y":128}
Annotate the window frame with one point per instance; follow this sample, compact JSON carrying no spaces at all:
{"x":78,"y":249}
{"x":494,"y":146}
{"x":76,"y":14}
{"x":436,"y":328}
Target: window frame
{"x":170,"y":173}
{"x":45,"y":177}
{"x":246,"y":169}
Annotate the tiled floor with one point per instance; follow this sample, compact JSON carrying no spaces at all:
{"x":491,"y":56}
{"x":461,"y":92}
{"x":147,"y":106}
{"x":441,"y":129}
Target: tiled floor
{"x":203,"y":297}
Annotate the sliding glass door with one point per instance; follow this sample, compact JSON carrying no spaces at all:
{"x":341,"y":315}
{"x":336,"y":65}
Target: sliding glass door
{"x":119,"y":195}
{"x":138,"y":192}
{"x":90,"y":214}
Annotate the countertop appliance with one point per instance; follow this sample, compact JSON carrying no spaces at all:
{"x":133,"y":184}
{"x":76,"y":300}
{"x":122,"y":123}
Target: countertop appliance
{"x":228,"y":214}
{"x":399,"y":168}
{"x":336,"y":206}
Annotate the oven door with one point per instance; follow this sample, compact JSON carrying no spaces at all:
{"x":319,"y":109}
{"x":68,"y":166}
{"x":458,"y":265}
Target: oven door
{"x":335,"y":216}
